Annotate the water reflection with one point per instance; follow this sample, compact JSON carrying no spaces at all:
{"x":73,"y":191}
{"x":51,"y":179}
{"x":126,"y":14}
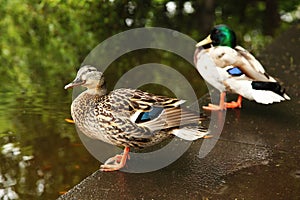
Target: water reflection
{"x":13,"y":168}
{"x":38,"y":147}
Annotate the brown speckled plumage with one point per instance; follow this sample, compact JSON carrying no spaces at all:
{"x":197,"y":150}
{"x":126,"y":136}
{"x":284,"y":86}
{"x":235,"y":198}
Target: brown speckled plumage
{"x":129,"y":117}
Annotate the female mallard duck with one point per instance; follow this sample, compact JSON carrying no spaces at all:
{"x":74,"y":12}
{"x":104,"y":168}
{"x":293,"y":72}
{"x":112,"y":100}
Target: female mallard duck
{"x":128,"y":117}
{"x":229,"y":67}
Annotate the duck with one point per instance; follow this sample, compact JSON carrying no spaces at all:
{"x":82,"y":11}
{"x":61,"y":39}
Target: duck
{"x":229,"y":67}
{"x":129,"y":118}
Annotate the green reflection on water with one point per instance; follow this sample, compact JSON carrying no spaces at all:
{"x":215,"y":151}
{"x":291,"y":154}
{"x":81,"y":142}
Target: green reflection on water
{"x":38,"y":147}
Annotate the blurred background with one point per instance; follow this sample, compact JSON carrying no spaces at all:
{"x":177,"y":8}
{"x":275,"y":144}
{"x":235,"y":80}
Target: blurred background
{"x":42,"y":44}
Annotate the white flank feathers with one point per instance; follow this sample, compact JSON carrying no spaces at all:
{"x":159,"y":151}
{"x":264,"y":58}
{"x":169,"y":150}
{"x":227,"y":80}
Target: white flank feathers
{"x":179,"y":103}
{"x":266,"y":97}
{"x":189,"y":134}
{"x":135,"y":116}
{"x":244,"y":88}
{"x":286,"y":97}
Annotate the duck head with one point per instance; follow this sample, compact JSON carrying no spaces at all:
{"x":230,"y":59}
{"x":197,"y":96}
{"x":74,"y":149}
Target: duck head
{"x":89,"y":77}
{"x":221,"y":35}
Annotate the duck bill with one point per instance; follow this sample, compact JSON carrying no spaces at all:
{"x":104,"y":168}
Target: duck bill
{"x":206,"y":41}
{"x":75,"y":83}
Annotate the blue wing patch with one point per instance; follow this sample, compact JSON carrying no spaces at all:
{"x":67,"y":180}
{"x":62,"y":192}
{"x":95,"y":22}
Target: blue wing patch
{"x":147,"y":116}
{"x":235,"y":71}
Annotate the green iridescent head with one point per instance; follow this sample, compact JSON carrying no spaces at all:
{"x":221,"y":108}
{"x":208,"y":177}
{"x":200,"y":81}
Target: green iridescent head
{"x":221,"y":35}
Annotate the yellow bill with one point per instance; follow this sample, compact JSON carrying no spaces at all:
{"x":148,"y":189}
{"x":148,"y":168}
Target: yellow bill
{"x":207,"y":40}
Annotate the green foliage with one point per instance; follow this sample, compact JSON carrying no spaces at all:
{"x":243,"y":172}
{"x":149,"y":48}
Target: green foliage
{"x":42,"y":41}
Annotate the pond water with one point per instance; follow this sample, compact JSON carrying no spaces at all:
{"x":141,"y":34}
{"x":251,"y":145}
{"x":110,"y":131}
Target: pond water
{"x":37,"y":146}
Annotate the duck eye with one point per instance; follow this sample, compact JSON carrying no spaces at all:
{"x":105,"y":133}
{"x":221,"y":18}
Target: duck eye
{"x":91,"y":70}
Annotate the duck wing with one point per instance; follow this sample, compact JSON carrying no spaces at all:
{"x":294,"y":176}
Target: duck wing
{"x":255,"y":64}
{"x":240,"y":58}
{"x":160,"y":112}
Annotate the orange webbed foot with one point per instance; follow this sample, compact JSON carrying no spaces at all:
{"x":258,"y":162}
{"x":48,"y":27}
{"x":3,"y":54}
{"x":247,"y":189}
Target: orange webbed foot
{"x":213,"y":107}
{"x":235,"y":104}
{"x":219,"y":107}
{"x":222,"y":105}
{"x":117,"y":162}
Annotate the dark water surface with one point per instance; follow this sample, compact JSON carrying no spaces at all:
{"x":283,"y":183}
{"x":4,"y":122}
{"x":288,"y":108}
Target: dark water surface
{"x":38,"y":146}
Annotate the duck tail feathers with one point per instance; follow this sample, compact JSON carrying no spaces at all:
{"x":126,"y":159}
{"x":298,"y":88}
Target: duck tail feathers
{"x":286,"y":97}
{"x":271,"y":87}
{"x":190,"y":133}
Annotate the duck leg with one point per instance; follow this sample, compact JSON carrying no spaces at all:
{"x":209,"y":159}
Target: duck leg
{"x":116,"y":163}
{"x":235,"y":104}
{"x":221,"y":105}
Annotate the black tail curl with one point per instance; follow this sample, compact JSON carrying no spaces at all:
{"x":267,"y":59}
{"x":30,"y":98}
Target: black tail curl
{"x":271,"y":86}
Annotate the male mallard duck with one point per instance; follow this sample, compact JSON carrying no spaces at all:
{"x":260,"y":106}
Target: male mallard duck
{"x":128,"y":117}
{"x":229,"y":67}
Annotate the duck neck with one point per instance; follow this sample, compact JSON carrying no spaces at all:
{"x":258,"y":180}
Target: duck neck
{"x":97,"y":91}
